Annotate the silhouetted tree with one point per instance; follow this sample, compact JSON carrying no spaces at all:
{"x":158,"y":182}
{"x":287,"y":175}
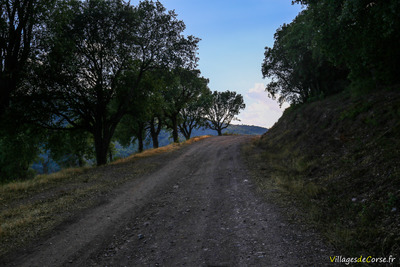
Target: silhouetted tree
{"x":98,"y":54}
{"x":298,"y":70}
{"x":186,"y":85}
{"x":193,"y":115}
{"x":225,"y":106}
{"x":21,"y":23}
{"x":363,"y":36}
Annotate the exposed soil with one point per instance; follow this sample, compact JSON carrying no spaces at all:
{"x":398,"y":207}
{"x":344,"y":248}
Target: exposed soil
{"x":200,"y":208}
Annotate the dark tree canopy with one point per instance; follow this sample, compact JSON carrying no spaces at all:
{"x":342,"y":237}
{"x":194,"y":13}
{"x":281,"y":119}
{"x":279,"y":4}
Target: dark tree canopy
{"x":225,"y":106}
{"x":193,"y":115}
{"x":297,"y":68}
{"x":363,"y":36}
{"x":332,"y":46}
{"x":185,"y":86}
{"x":99,"y":53}
{"x":20,"y":27}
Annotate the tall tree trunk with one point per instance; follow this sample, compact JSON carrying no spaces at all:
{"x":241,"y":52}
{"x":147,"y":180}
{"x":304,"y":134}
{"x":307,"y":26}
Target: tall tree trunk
{"x":140,"y":142}
{"x":155,"y":141}
{"x":186,"y":134}
{"x":101,"y":147}
{"x":154,"y":133}
{"x":175,"y":135}
{"x":80,"y":161}
{"x":219,"y":131}
{"x":7,"y":87}
{"x":140,"y":136}
{"x":102,"y":140}
{"x":182,"y":129}
{"x":189,"y":133}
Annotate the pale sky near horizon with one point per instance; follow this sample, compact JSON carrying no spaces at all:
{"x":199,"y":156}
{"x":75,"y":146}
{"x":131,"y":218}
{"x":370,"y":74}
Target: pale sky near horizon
{"x":234,"y":34}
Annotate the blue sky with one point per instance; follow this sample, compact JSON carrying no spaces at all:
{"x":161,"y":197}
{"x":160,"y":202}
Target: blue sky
{"x":233,"y":36}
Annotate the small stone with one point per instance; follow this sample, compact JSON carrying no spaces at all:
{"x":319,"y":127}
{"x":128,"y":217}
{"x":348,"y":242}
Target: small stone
{"x":140,"y":236}
{"x":354,"y":199}
{"x":394,"y":210}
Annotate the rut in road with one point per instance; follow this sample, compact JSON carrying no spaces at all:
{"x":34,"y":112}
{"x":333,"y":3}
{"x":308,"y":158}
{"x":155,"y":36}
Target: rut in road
{"x":200,"y":209}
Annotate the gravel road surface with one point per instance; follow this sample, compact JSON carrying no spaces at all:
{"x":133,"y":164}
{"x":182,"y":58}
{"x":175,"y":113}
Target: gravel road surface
{"x":200,"y":208}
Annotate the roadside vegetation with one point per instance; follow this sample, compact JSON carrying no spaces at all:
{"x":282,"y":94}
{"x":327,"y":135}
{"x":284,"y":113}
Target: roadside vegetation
{"x":333,"y":158}
{"x":33,"y":208}
{"x":337,"y":167}
{"x":78,"y":76}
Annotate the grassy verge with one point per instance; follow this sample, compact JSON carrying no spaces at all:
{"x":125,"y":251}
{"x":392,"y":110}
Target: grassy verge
{"x":334,"y":164}
{"x":156,"y":151}
{"x":31,"y":209}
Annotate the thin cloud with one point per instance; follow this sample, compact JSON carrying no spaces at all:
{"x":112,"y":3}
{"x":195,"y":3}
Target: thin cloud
{"x":260,"y":109}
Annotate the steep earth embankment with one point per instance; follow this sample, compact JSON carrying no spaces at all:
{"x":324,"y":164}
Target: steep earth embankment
{"x":338,"y":160}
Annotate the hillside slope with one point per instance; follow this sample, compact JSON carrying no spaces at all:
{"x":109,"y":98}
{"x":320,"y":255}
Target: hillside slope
{"x":338,"y":161}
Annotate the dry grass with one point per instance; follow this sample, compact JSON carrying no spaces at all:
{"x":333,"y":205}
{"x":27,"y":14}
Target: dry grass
{"x":29,"y":220}
{"x":41,"y":180}
{"x":156,"y":151}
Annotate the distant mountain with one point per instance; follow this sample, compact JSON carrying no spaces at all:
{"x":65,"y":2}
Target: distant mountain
{"x":165,"y":136}
{"x":246,"y":129}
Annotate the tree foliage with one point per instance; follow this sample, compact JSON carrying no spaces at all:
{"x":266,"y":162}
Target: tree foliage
{"x":363,"y":35}
{"x":21,"y":27}
{"x":193,"y":115}
{"x":225,"y":106}
{"x":89,"y":73}
{"x":99,"y":53}
{"x":298,"y":69}
{"x":19,"y":147}
{"x":331,"y":45}
{"x":70,"y":148}
{"x":21,"y":23}
{"x":185,"y":87}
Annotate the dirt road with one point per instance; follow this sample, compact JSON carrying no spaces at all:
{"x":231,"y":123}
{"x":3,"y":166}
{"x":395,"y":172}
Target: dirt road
{"x":199,"y":209}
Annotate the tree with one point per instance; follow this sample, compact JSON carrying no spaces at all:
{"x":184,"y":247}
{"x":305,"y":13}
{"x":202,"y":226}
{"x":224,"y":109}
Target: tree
{"x":99,"y":53}
{"x":156,"y":113}
{"x":193,"y":115}
{"x":362,"y":35}
{"x":296,"y":66}
{"x":147,"y":115}
{"x":225,"y":106}
{"x":70,"y":148}
{"x":132,"y":129}
{"x":20,"y":26}
{"x":19,"y":147}
{"x":186,"y":85}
